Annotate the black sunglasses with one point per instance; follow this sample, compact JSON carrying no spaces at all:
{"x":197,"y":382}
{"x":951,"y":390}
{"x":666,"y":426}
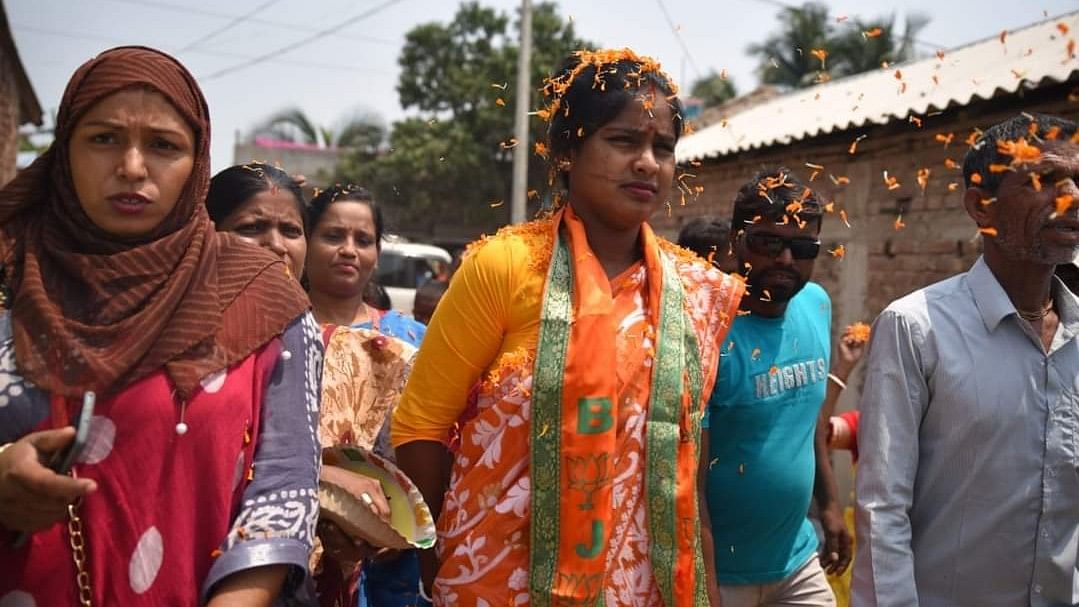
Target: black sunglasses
{"x":772,"y":246}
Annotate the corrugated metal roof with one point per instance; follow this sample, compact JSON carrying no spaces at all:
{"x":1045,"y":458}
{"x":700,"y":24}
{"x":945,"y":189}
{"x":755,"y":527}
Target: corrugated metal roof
{"x":1032,"y":54}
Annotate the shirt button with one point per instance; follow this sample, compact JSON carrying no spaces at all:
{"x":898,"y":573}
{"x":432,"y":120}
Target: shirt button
{"x":1037,"y":588}
{"x":1045,"y":533}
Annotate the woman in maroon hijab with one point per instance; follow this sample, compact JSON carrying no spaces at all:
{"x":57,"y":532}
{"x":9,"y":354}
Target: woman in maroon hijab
{"x":198,"y":482}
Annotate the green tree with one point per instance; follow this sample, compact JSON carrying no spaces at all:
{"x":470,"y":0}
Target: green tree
{"x":453,"y":161}
{"x":363,"y":131}
{"x":290,"y":124}
{"x":787,"y":55}
{"x":26,"y":144}
{"x":855,"y":52}
{"x":713,"y":89}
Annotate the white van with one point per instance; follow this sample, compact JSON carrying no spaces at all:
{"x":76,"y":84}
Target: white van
{"x":404,"y":266}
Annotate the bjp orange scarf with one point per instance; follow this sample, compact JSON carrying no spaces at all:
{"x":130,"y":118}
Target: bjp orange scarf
{"x":574,"y":425}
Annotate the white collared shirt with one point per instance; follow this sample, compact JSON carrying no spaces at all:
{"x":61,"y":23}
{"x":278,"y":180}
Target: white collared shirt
{"x":968,"y":484}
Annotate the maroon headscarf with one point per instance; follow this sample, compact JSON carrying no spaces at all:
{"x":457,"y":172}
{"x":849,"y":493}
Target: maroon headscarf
{"x":95,"y":312}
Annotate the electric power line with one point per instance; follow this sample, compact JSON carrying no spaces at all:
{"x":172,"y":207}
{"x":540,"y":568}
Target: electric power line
{"x":678,"y":35}
{"x":302,"y":42}
{"x":296,"y":27}
{"x":231,"y":24}
{"x":115,"y":41}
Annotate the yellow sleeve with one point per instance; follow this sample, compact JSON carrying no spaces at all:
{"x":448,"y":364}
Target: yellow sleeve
{"x":463,"y":339}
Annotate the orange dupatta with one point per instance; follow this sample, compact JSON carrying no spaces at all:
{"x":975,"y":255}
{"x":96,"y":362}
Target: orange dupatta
{"x":574,"y":428}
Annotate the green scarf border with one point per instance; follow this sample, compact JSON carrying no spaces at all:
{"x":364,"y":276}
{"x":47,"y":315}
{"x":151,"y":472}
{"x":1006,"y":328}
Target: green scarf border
{"x":663,"y":428}
{"x":548,"y":374}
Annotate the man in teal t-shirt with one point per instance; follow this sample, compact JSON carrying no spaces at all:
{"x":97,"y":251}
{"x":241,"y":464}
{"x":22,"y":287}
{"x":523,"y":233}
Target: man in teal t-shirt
{"x":765,"y":461}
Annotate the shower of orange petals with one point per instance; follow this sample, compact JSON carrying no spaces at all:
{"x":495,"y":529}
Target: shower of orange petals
{"x":1063,"y":203}
{"x":856,"y":333}
{"x":1020,"y":151}
{"x":854,"y":144}
{"x":923,"y":178}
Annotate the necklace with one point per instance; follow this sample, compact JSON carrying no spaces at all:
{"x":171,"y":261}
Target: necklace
{"x":1035,"y":316}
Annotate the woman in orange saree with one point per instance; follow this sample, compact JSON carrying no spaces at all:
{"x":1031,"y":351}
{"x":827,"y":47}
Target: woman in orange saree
{"x":590,"y":346}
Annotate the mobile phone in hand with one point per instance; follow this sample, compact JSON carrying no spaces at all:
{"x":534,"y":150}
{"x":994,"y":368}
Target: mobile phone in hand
{"x":62,"y":461}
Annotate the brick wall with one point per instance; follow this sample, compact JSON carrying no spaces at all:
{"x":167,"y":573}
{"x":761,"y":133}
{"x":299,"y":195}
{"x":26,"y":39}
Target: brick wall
{"x":881,"y":264}
{"x":9,"y":120}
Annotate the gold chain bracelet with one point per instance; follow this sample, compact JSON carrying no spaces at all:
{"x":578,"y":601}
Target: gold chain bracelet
{"x":78,"y":553}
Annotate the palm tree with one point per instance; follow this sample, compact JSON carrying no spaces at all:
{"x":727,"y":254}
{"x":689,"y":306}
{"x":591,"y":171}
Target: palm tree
{"x":360,"y":130}
{"x":290,"y":124}
{"x":785,"y":57}
{"x":853,"y":52}
{"x":713,"y":89}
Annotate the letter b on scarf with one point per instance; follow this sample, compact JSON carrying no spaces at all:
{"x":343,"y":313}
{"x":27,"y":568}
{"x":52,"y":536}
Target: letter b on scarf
{"x":594,"y":415}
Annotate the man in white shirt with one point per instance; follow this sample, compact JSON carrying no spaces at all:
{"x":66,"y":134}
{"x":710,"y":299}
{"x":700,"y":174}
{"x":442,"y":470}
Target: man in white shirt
{"x":968,"y":486}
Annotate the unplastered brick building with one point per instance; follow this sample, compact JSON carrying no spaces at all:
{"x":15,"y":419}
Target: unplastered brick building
{"x":18,"y":103}
{"x":910,"y":120}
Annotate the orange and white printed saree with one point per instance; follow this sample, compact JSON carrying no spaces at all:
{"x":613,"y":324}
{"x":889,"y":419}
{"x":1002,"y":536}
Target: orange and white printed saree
{"x":574,"y":483}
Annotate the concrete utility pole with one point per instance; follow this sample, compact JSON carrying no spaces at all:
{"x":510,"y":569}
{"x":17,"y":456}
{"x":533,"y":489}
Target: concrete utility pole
{"x":524,"y":99}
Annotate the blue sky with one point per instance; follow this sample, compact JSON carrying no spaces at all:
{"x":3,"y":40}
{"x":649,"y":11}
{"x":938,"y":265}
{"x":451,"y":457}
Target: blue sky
{"x":356,"y":68}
